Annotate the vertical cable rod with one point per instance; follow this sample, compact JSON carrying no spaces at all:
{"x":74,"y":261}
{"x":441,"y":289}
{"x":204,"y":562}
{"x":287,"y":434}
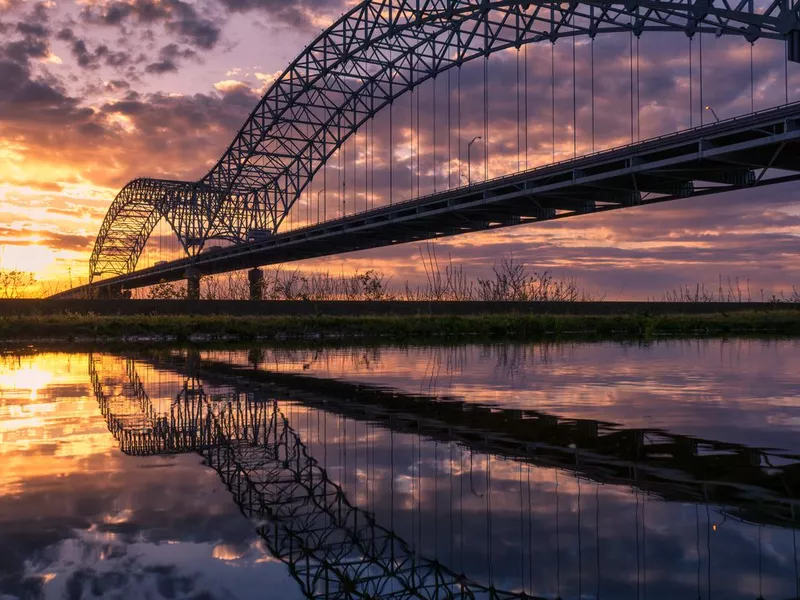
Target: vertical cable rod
{"x":372,"y":163}
{"x":592,"y":83}
{"x":411,"y":142}
{"x":574,"y":105}
{"x":691,"y":99}
{"x":486,"y":117}
{"x":638,"y":107}
{"x":355,"y":153}
{"x":519,"y":125}
{"x":630,"y":55}
{"x":752,"y":83}
{"x":702,"y":106}
{"x":460,"y":174}
{"x":553,"y":96}
{"x":525,"y":50}
{"x":344,"y":180}
{"x":449,"y":129}
{"x":786,"y":82}
{"x":419,"y":192}
{"x":433,"y":102}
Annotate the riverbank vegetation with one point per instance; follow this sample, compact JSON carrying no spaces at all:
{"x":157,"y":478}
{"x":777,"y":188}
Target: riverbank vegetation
{"x":199,"y":328}
{"x":510,"y":280}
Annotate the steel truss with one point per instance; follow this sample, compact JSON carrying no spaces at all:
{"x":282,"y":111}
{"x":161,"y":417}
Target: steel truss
{"x":375,"y":53}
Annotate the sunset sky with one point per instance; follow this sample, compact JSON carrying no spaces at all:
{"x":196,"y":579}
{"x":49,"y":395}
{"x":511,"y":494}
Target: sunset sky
{"x":96,"y":92}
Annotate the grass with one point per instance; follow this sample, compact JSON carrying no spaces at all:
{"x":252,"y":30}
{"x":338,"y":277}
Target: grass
{"x":183,"y":328}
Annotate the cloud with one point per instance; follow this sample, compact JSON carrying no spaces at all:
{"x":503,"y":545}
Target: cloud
{"x":92,"y":59}
{"x":230,"y":85}
{"x":177,"y":17}
{"x":301,"y":14}
{"x":169,"y":58}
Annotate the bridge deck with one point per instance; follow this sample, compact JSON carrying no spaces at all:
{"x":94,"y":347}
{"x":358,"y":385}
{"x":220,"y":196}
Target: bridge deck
{"x":728,"y":155}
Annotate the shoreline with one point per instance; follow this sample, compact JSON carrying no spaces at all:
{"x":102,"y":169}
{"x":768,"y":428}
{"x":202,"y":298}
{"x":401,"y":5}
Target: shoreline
{"x":141,"y":330}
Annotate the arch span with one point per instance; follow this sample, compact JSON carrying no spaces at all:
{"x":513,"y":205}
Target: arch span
{"x":375,"y":53}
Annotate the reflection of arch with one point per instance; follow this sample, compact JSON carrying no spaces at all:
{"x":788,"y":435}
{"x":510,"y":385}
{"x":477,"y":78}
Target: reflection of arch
{"x":333,"y":548}
{"x":375,"y":53}
{"x":247,"y":437}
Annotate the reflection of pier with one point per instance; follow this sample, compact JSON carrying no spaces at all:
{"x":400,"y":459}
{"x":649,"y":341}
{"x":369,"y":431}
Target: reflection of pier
{"x":333,"y":548}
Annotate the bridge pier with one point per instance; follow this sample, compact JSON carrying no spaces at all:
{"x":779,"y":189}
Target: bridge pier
{"x":112,"y":292}
{"x":192,"y":284}
{"x":256,"y":279}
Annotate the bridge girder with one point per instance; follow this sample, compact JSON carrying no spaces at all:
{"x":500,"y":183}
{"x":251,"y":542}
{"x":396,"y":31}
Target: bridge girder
{"x":375,"y":53}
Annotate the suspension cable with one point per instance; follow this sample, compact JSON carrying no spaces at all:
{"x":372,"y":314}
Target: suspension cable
{"x":553,"y":96}
{"x":486,"y":117}
{"x":460,"y":174}
{"x":419,"y":193}
{"x":574,"y":105}
{"x":752,"y":84}
{"x":355,"y":173}
{"x":372,"y":162}
{"x":519,"y":133}
{"x":343,"y":177}
{"x":638,"y":109}
{"x":592,"y":84}
{"x":433,"y":102}
{"x":391,"y":151}
{"x":691,"y":99}
{"x":525,"y":57}
{"x":411,"y":141}
{"x":786,"y":85}
{"x":702,"y":106}
{"x":449,"y":128}
{"x":630,"y":55}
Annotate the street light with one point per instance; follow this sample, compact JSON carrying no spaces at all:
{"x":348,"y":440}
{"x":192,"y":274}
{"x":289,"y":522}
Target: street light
{"x":469,"y":159}
{"x":713,"y":113}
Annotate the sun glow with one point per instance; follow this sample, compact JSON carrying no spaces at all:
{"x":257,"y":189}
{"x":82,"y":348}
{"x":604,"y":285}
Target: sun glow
{"x":30,"y":378}
{"x":32,"y":258}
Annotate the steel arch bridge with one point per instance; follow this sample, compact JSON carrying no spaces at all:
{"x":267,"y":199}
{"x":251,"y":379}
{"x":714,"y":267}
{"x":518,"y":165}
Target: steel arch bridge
{"x":375,"y":53}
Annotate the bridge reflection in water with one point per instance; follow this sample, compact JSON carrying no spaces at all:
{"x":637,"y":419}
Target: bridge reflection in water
{"x":369,"y":492}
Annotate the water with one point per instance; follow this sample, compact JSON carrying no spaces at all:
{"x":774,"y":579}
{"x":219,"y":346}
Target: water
{"x":669,"y":470}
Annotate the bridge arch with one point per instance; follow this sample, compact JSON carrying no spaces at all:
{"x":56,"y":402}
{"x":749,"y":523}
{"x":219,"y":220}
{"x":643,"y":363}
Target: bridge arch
{"x":375,"y":53}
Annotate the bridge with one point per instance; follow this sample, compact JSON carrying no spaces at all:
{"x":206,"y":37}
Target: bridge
{"x":266,"y":435}
{"x":329,"y":99}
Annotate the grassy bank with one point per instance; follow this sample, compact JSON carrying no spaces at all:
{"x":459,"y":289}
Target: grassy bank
{"x":15,"y":329}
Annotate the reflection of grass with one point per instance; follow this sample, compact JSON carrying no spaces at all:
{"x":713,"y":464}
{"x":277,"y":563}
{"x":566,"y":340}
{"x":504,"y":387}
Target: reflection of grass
{"x":502,"y":326}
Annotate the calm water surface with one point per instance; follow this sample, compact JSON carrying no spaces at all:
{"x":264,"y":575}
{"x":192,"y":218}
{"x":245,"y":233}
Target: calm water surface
{"x":669,"y":470}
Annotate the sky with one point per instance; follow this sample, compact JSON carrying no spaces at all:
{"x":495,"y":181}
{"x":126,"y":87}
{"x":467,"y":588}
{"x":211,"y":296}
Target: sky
{"x":97,"y":92}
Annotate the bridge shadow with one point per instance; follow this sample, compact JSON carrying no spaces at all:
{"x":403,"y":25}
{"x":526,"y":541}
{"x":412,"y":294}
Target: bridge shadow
{"x":269,"y":436}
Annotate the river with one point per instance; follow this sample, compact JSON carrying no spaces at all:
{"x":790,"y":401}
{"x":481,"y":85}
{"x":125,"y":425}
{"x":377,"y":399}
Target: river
{"x":563,"y":470}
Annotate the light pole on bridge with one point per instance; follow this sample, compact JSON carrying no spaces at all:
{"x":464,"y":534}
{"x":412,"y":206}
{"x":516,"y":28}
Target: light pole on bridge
{"x":713,"y":113}
{"x":469,"y":159}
